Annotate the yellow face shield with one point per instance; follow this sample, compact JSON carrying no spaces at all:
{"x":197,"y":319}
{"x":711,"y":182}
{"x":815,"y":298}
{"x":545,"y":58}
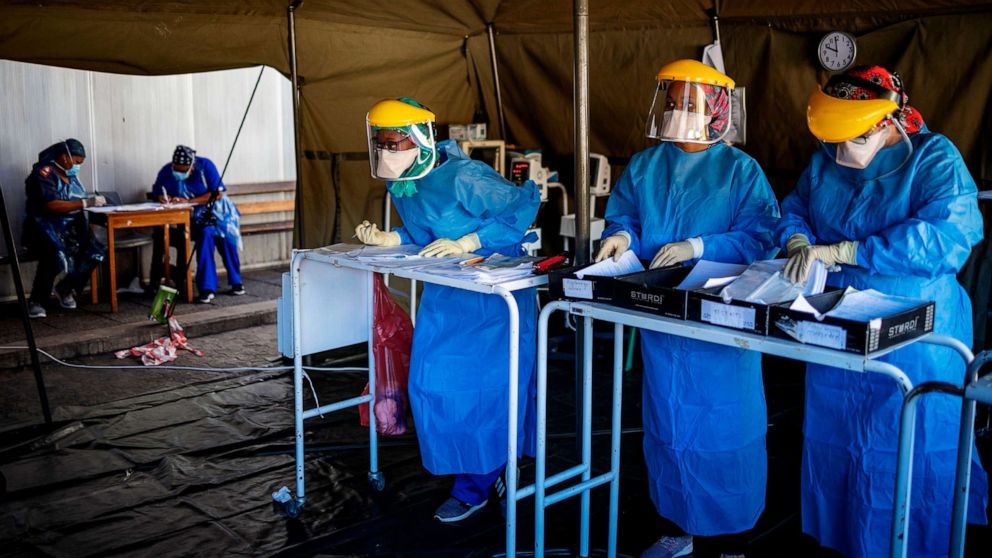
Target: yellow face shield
{"x":836,"y":120}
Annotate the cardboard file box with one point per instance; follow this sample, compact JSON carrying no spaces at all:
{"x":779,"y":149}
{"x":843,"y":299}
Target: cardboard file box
{"x":851,"y":336}
{"x":708,"y":307}
{"x":563,"y":284}
{"x":654,"y":291}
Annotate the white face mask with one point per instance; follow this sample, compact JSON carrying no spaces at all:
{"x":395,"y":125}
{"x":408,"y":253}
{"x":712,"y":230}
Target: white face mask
{"x":684,"y":125}
{"x":393,"y":164}
{"x":859,"y":152}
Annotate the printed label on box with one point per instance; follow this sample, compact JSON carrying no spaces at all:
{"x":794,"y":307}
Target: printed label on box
{"x":577,"y":288}
{"x":822,"y":334}
{"x":737,"y":317}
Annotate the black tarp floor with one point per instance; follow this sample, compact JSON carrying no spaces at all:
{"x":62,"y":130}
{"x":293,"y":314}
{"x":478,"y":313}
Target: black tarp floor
{"x":188,"y":470}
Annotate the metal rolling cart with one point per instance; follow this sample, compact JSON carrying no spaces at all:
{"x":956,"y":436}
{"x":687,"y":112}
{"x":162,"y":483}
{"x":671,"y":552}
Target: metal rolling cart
{"x":976,"y":390}
{"x":325,"y":279}
{"x":714,"y":334}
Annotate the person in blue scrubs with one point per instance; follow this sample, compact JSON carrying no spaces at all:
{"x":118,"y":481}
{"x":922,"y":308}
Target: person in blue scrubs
{"x":215,"y":220}
{"x":56,"y":229}
{"x":452,"y":205}
{"x":693,"y":196}
{"x":894,"y":206}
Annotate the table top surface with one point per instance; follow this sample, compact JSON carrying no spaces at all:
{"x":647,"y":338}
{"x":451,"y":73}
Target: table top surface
{"x":335,"y":256}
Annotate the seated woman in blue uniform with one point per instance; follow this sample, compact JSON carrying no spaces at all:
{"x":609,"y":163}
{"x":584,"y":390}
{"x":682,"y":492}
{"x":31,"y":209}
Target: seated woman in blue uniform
{"x":215,"y":220}
{"x":56,"y":229}
{"x":452,"y":205}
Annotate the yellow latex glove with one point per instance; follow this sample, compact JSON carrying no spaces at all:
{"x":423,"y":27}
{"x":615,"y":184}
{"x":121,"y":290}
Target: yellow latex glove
{"x":614,"y":246}
{"x":444,"y":247}
{"x":369,"y":233}
{"x":672,"y":253}
{"x":801,"y":259}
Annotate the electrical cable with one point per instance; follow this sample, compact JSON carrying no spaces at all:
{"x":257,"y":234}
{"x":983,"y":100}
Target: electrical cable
{"x":193,"y":368}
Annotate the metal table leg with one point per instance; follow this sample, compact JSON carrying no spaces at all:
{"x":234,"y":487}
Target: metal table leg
{"x":376,"y":479}
{"x":298,"y":377}
{"x":907,"y":438}
{"x":511,"y":450}
{"x":966,"y":441}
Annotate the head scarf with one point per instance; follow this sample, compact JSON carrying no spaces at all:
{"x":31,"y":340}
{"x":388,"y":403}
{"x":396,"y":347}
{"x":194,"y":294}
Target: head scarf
{"x":183,"y":155}
{"x":718,"y":101}
{"x":73,"y":146}
{"x":910,"y":118}
{"x":421,"y":135}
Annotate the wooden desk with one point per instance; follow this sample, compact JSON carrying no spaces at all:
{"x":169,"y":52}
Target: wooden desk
{"x":146,"y":218}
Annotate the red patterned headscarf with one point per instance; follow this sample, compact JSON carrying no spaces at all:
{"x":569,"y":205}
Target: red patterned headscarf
{"x":718,"y":102}
{"x":856,"y":89}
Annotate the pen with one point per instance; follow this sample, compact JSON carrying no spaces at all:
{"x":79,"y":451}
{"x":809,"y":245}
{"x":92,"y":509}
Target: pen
{"x":480,"y":259}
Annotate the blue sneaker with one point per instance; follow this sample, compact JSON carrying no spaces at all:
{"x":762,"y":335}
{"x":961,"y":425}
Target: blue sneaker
{"x":669,"y":547}
{"x":454,"y":510}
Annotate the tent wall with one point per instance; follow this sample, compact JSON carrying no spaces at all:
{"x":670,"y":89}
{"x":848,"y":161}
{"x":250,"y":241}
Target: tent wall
{"x":353,"y":52}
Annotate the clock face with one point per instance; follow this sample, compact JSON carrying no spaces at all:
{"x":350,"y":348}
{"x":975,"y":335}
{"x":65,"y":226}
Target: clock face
{"x":837,"y":51}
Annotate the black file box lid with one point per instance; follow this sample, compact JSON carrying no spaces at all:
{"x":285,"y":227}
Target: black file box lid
{"x":708,"y":307}
{"x":852,"y":336}
{"x":653,"y":291}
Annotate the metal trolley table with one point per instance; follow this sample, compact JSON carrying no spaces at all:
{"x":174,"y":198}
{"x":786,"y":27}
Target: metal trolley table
{"x":714,"y":334}
{"x":331,"y":305}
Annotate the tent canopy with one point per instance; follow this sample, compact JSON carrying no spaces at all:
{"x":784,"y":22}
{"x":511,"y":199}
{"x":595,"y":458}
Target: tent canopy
{"x":354,"y":52}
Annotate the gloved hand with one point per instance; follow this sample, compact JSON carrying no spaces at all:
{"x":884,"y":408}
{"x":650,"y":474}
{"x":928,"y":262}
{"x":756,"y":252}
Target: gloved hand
{"x":614,"y":246}
{"x":369,"y":233}
{"x":801,"y":259}
{"x":444,"y":247}
{"x":673,"y":253}
{"x":795,"y":242}
{"x":98,"y":201}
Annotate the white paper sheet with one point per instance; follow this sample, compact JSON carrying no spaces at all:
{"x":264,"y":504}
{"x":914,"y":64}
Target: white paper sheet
{"x":608,"y":268}
{"x":764,"y":282}
{"x":705,"y":270}
{"x":865,"y":306}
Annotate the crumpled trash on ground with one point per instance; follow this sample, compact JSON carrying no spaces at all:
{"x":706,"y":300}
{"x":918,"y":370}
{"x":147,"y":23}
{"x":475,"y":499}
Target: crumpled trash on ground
{"x":163,"y":349}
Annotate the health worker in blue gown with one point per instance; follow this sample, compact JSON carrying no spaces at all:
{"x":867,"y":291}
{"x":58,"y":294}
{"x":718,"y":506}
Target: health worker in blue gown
{"x":694,"y":197}
{"x":216,"y":222}
{"x":894,"y":206}
{"x":453,"y":205}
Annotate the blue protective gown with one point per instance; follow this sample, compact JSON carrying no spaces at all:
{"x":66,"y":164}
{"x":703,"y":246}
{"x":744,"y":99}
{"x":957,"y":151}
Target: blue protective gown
{"x":223,"y":233}
{"x":458,"y":367}
{"x":704,"y":406}
{"x":916,"y":229}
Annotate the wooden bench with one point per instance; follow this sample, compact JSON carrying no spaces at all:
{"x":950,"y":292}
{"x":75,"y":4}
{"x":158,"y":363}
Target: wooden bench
{"x":263,"y":207}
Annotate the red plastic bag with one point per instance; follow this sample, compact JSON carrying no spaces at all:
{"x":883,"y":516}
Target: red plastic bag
{"x":392,"y":337}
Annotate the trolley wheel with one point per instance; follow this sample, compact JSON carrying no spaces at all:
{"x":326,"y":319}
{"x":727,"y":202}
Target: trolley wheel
{"x":377,"y":481}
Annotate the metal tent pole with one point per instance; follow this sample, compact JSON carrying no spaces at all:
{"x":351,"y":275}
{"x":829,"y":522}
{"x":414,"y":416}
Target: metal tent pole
{"x":294,"y":77}
{"x":581,"y":150}
{"x":499,"y":96}
{"x":15,"y":270}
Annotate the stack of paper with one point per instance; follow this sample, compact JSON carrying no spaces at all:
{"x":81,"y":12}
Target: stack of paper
{"x":764,"y":282}
{"x":628,"y":263}
{"x":396,"y":257}
{"x":706,"y":274}
{"x":861,"y":306}
{"x":493,"y":270}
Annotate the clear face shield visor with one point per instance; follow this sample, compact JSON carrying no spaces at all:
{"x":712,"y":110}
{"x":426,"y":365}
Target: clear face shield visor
{"x":404,"y":152}
{"x":680,"y":112}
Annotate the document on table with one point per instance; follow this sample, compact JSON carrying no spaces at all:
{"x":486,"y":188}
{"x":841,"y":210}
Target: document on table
{"x":706,"y":274}
{"x":865,"y":306}
{"x":608,"y":268}
{"x":146,"y":206}
{"x":861,"y":306}
{"x":764,"y":282}
{"x":396,"y":257}
{"x":493,"y":270}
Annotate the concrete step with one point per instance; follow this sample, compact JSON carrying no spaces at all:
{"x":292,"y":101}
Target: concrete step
{"x":105,"y":340}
